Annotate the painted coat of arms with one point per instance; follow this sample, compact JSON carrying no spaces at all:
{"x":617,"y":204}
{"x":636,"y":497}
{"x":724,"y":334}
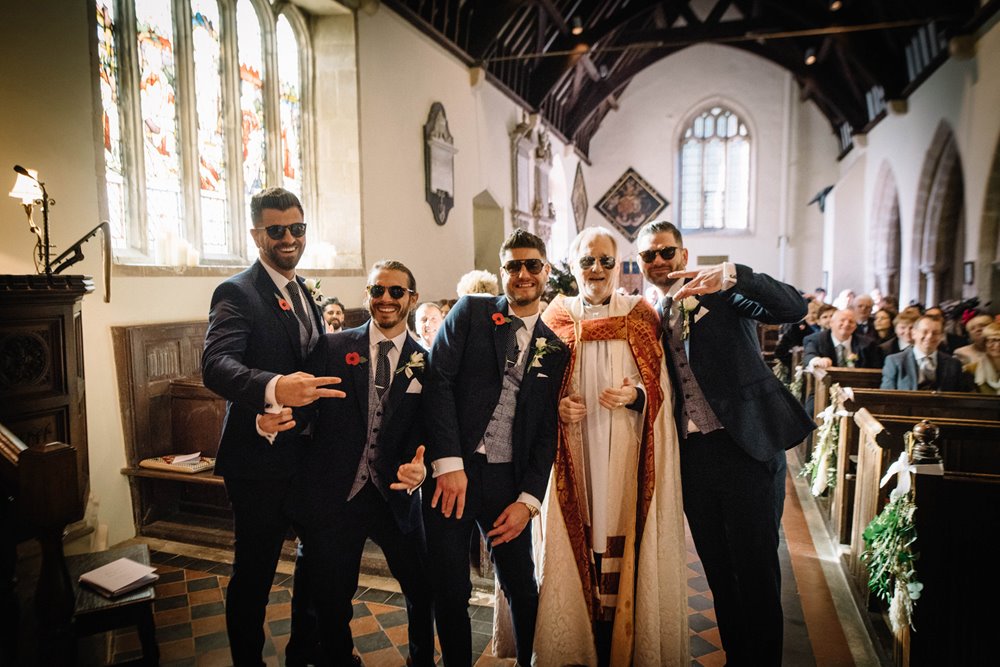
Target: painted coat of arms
{"x":630,"y":203}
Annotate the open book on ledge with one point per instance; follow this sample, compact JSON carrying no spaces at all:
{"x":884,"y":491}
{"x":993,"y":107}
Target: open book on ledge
{"x":187,"y":463}
{"x":119,"y":576}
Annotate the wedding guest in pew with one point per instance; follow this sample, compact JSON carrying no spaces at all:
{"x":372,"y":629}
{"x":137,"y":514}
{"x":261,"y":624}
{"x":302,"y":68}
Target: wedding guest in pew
{"x":976,"y":349}
{"x":841,"y":345}
{"x":903,"y":328}
{"x":863,"y":306}
{"x":923,"y":366}
{"x":795,"y":333}
{"x":986,"y":371}
{"x":426,"y":321}
{"x":882,"y":321}
{"x":823,"y":317}
{"x":333,"y":315}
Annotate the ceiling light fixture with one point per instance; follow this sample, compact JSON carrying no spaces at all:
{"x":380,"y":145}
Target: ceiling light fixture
{"x":810,"y":56}
{"x":577,"y":24}
{"x":835,"y":5}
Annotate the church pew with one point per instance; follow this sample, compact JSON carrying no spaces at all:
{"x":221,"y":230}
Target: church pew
{"x":929,"y":405}
{"x":958,"y":511}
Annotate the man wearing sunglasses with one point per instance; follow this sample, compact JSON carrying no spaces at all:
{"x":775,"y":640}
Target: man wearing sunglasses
{"x":261,"y":327}
{"x":490,"y":407}
{"x":735,"y":420}
{"x":347,"y":491}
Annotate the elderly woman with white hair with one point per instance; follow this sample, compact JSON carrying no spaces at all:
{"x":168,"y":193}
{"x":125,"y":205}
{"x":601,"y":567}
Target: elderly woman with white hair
{"x":613,"y":588}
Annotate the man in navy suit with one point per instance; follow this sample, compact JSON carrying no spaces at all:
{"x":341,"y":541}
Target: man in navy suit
{"x":841,"y":345}
{"x":347,"y":491}
{"x":261,"y":327}
{"x":490,"y":402}
{"x":923,"y":365}
{"x":736,"y":420}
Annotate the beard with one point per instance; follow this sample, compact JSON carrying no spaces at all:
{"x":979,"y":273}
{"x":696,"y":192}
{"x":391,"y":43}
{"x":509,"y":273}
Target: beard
{"x":283,"y":261}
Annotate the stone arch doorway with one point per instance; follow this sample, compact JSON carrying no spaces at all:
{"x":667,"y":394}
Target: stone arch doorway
{"x":988,"y":266}
{"x":487,"y":232}
{"x":885,"y":232}
{"x":939,"y":223}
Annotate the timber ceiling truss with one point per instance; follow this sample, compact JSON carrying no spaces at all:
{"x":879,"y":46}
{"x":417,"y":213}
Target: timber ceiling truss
{"x":570,"y":60}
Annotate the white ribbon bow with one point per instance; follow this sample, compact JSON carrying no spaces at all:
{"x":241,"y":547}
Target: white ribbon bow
{"x":902,"y":469}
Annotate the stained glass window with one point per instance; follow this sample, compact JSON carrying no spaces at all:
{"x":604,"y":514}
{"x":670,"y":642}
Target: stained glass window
{"x":715,"y":172}
{"x":251,"y":56}
{"x":290,"y":98}
{"x":211,"y":127}
{"x":158,"y":109}
{"x":107,"y":62}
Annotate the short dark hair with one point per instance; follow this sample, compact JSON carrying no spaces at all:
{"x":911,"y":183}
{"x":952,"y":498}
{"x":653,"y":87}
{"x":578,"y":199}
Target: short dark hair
{"x":278,"y":199}
{"x":520,"y":238}
{"x":393,"y":265}
{"x":659,"y":226}
{"x":331,"y":301}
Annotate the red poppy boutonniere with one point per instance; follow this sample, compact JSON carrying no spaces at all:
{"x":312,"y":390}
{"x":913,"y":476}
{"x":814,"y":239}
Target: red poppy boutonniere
{"x":282,"y":303}
{"x":500,"y":319}
{"x":353,"y":359}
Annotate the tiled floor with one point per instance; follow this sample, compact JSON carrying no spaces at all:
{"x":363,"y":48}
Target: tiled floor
{"x":190,"y":622}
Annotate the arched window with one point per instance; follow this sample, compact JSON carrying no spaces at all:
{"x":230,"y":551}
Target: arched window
{"x":715,"y":171}
{"x":203,"y":106}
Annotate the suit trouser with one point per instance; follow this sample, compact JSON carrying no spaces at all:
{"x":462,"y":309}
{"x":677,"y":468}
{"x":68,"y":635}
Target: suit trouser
{"x":490,"y":490}
{"x":261,"y":524}
{"x":336,"y":543}
{"x":733,"y":504}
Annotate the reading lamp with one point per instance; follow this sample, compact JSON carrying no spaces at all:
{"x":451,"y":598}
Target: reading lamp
{"x":31,"y":192}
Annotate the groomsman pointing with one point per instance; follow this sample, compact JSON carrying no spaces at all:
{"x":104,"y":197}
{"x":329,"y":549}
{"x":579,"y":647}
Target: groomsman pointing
{"x":490,"y":405}
{"x":736,"y":420}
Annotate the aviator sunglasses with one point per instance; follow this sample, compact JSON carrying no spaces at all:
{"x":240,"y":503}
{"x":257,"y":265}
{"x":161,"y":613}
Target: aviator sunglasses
{"x":607,"y":261}
{"x":397,"y":292}
{"x":534,"y":266}
{"x":667,"y":252}
{"x":277,"y":232}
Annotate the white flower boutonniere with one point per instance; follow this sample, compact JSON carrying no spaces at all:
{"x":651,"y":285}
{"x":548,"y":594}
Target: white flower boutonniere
{"x":416,"y":361}
{"x":542,"y":347}
{"x":313,"y":286}
{"x":687,"y":307}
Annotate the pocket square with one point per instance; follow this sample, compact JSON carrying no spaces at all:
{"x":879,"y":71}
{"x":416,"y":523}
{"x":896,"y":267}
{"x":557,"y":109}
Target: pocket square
{"x":702,"y":312}
{"x":542,"y":375}
{"x":415,"y":387}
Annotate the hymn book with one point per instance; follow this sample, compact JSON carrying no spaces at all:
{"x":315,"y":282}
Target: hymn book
{"x":119,"y":576}
{"x":186,"y":463}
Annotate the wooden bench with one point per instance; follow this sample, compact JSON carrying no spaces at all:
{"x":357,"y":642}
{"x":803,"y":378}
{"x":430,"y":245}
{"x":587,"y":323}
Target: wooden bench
{"x":956,"y":520}
{"x":926,"y":404}
{"x":819,"y":383}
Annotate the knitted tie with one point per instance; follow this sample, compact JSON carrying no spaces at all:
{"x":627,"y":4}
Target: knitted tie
{"x":305,"y":322}
{"x":382,"y":367}
{"x":511,"y":349}
{"x":665,"y":305}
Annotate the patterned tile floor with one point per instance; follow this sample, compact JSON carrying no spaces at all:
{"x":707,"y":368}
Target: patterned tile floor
{"x":190,"y":621}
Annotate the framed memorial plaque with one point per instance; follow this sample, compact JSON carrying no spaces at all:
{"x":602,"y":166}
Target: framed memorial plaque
{"x":439,"y":164}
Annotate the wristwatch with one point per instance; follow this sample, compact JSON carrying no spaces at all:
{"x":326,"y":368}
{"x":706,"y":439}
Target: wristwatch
{"x":532,"y":510}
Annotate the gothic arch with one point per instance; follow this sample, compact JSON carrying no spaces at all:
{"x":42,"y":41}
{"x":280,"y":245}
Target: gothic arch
{"x":988,"y":266}
{"x":939,"y":223}
{"x":885,"y":234}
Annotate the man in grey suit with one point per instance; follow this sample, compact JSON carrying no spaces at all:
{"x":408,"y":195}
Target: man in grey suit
{"x":736,"y":420}
{"x":923,"y":365}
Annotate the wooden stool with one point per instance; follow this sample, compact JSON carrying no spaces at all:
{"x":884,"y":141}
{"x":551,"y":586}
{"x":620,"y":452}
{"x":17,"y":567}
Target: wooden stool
{"x":95,"y":613}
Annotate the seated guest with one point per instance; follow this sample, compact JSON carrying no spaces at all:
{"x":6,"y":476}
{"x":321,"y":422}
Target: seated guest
{"x":976,"y":349}
{"x":924,"y":366}
{"x":863,"y":313}
{"x":477,"y":282}
{"x":986,"y":371}
{"x":841,"y":345}
{"x":796,"y":333}
{"x":427,"y":320}
{"x":333,"y":314}
{"x":903,"y":328}
{"x":824,"y":315}
{"x":882,"y":322}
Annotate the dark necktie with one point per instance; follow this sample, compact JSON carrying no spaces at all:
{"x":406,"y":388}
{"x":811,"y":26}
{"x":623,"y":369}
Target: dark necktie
{"x":665,"y":305}
{"x":382,"y":367}
{"x":510,"y":351}
{"x":295,"y":296}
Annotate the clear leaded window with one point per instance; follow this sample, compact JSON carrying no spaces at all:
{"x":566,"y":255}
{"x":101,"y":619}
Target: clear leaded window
{"x":715,"y":172}
{"x":202,"y":106}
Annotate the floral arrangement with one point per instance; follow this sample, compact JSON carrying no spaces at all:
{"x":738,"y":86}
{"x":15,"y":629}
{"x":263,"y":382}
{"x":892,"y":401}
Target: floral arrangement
{"x":561,"y":280}
{"x":687,"y":306}
{"x":890,"y":553}
{"x":313,"y":286}
{"x":542,"y":347}
{"x":416,"y":362}
{"x":850,"y":360}
{"x":821,"y":470}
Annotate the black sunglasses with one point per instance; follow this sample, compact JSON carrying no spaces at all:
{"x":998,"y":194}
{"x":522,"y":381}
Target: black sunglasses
{"x":534,"y":266}
{"x":607,"y":261}
{"x":277,"y":232}
{"x":666,"y":252}
{"x":395,"y":291}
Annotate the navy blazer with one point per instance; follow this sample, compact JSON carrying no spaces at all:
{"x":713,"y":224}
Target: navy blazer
{"x":901,"y":372}
{"x":340,"y":427}
{"x":754,"y":407}
{"x":464,"y":380}
{"x":250,"y":339}
{"x":820,"y":344}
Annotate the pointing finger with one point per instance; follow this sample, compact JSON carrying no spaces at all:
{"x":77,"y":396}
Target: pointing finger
{"x":320,"y":381}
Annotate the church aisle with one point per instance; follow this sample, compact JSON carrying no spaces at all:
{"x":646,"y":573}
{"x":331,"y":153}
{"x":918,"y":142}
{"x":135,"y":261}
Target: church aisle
{"x":821,"y":627}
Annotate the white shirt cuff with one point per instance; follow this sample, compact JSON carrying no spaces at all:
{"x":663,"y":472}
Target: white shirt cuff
{"x":262,"y":433}
{"x":270,"y":401}
{"x":728,"y":275}
{"x":529,"y":499}
{"x":446,"y":464}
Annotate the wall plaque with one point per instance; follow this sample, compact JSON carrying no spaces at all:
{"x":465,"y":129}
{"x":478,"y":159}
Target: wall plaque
{"x":439,"y":164}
